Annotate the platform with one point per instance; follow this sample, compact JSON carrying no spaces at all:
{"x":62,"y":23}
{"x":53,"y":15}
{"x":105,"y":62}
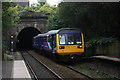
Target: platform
{"x":20,"y":70}
{"x":108,"y":58}
{"x":15,"y":69}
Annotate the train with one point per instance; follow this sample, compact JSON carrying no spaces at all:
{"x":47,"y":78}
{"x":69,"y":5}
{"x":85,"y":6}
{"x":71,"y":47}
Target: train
{"x":63,"y":44}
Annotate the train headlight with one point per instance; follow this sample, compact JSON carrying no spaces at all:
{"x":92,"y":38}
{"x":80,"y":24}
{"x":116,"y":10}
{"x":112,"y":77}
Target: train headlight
{"x":79,"y":47}
{"x":61,"y":47}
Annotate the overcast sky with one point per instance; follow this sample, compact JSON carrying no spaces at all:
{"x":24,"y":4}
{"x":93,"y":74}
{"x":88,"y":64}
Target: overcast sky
{"x":51,"y":2}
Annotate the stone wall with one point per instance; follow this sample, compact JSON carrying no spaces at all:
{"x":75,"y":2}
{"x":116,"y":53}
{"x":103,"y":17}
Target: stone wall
{"x":39,"y":22}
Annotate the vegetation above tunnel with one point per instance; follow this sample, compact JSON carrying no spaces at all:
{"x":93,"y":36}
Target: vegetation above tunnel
{"x":9,"y":14}
{"x":98,"y":21}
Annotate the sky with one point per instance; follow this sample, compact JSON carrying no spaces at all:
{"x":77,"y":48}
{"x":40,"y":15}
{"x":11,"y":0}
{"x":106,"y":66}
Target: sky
{"x":32,"y":1}
{"x":51,"y":2}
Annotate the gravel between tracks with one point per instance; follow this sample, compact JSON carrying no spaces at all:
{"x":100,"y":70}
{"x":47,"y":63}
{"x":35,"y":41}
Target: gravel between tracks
{"x":57,"y":68}
{"x":105,"y":66}
{"x":39,"y":69}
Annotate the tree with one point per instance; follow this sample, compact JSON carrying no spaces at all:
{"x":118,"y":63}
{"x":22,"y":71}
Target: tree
{"x":9,"y":14}
{"x":95,"y":19}
{"x":34,"y":7}
{"x":46,"y":8}
{"x":9,"y":19}
{"x":54,"y":22}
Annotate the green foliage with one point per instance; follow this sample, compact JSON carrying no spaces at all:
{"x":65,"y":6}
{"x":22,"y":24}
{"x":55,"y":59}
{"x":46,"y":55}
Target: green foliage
{"x":54,"y":21}
{"x":71,"y":13}
{"x":27,"y":8}
{"x":4,"y":44}
{"x":94,"y":72}
{"x":41,"y":8}
{"x":99,"y":41}
{"x":34,"y":7}
{"x":8,"y":57}
{"x":9,"y":14}
{"x":46,"y":8}
{"x":95,"y":19}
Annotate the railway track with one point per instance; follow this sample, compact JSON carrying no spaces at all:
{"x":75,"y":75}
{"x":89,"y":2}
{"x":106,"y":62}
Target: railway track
{"x":102,"y":68}
{"x":49,"y":65}
{"x":90,"y":77}
{"x":69,"y":71}
{"x":62,"y":76}
{"x":80,"y":72}
{"x":38,"y":69}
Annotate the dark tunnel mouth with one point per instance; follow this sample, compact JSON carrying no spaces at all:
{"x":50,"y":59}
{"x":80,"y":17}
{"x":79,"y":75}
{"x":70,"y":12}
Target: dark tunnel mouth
{"x":25,"y":38}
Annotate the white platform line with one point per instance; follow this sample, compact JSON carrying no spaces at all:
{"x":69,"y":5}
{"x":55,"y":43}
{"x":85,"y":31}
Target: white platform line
{"x":109,"y":58}
{"x":20,"y":70}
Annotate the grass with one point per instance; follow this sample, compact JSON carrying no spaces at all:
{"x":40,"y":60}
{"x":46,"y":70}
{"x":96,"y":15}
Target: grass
{"x":8,"y":57}
{"x":94,"y":73}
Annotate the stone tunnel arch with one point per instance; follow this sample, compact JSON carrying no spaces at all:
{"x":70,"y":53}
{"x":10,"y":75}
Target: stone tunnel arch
{"x":25,"y":38}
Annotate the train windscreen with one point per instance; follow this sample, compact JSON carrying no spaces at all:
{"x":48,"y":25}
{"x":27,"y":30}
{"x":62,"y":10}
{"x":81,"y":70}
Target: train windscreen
{"x":70,"y":39}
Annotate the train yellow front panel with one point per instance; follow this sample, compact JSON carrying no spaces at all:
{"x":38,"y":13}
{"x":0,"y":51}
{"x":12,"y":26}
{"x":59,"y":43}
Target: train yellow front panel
{"x":69,"y":49}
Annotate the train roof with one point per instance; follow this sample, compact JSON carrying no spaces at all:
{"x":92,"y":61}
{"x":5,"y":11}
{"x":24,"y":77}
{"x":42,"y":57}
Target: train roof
{"x":69,"y":30}
{"x":62,"y":30}
{"x":53,"y":32}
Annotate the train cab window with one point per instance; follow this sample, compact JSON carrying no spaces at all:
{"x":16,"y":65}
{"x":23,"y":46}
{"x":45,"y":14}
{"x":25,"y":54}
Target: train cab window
{"x":78,"y":39}
{"x":70,"y":39}
{"x":62,"y":38}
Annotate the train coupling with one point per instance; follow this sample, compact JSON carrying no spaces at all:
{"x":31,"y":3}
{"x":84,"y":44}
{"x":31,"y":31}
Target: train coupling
{"x":72,"y":56}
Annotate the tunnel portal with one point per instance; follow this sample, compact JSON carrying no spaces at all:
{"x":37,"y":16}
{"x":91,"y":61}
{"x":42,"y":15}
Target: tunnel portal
{"x":25,"y":38}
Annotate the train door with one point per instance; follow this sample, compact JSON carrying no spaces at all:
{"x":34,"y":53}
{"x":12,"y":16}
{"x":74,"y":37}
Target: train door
{"x":53,"y":43}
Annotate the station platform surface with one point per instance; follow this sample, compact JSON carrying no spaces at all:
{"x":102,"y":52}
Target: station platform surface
{"x":20,"y":70}
{"x":15,"y":69}
{"x":108,"y":58}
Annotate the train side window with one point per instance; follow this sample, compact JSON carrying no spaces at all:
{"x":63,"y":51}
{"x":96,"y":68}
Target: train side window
{"x":49,"y":38}
{"x":45,"y":39}
{"x":41,"y":39}
{"x":54,"y":39}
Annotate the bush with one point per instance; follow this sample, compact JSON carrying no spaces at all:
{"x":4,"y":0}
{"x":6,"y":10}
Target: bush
{"x":99,"y":41}
{"x":91,"y":45}
{"x":8,"y":57}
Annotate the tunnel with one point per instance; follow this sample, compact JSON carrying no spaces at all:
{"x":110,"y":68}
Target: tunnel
{"x":25,"y":38}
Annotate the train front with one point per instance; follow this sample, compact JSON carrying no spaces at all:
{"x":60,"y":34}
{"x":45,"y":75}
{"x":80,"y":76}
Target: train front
{"x":70,"y":41}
